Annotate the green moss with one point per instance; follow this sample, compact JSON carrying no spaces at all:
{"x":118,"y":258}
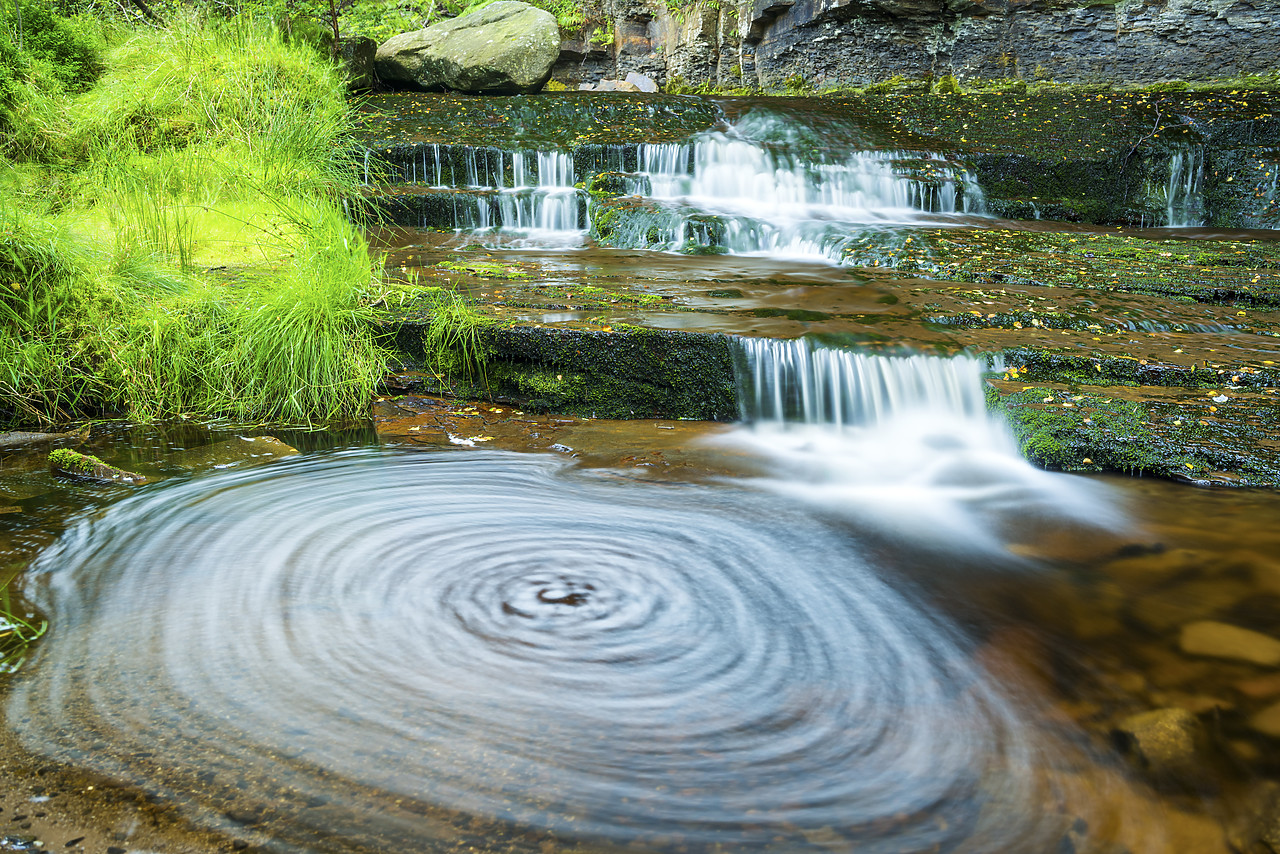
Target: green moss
{"x":946,"y":85}
{"x":1064,"y":432}
{"x":1240,"y":273}
{"x":628,"y":373}
{"x":1068,"y":430}
{"x":65,"y":459}
{"x":485,"y":269}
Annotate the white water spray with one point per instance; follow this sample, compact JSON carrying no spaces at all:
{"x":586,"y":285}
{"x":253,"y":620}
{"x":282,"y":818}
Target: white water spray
{"x":905,"y":443}
{"x":759,"y":197}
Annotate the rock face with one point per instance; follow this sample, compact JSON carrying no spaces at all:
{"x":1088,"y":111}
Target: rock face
{"x":506,"y":48}
{"x":856,"y":42}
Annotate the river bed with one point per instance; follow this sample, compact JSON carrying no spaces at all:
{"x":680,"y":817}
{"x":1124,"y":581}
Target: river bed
{"x":659,"y":636}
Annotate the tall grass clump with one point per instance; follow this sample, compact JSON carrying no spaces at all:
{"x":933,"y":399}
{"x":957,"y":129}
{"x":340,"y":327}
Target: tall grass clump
{"x":298,"y":346}
{"x":45,"y":289}
{"x":263,"y":109}
{"x":451,"y":342}
{"x":305,"y":347}
{"x":198,"y":261}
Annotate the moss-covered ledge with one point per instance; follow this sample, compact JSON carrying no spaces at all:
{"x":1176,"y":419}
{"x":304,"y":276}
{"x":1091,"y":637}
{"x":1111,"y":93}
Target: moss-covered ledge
{"x":628,"y":372}
{"x":1096,"y":415}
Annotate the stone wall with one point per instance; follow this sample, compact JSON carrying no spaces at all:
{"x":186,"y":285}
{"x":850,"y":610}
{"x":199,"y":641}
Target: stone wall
{"x":854,"y":42}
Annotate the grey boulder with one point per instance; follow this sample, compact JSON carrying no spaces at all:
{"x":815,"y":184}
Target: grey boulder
{"x":506,"y":48}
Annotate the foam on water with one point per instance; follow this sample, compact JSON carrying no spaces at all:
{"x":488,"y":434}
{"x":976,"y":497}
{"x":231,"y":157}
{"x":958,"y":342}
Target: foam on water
{"x":903,"y":442}
{"x":766,"y":195}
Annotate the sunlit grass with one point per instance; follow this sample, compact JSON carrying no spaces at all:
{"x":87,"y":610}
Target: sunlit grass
{"x":188,"y":251}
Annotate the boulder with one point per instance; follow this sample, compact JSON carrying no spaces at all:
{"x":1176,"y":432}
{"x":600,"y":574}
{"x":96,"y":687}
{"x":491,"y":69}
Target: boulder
{"x":1223,"y":640}
{"x":240,"y":452}
{"x":642,"y":82}
{"x":506,"y":48}
{"x":609,"y":86}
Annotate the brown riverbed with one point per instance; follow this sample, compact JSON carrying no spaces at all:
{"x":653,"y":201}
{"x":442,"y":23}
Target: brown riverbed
{"x":1086,"y":641}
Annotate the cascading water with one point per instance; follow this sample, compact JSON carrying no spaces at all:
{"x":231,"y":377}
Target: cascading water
{"x":1184,"y":201}
{"x":741,"y":190}
{"x":770,"y":200}
{"x":473,"y":189}
{"x":904,"y":443}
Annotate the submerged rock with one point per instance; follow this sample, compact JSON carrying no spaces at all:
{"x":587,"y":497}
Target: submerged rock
{"x":1168,"y":744}
{"x":642,"y":82}
{"x":77,"y":466}
{"x":17,"y":438}
{"x":506,"y":48}
{"x":1267,"y":722}
{"x":610,"y":86}
{"x":239,"y":452}
{"x":1223,"y":640}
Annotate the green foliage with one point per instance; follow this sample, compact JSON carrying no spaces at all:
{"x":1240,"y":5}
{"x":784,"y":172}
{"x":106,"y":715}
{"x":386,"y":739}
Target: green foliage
{"x":204,"y":144}
{"x":451,"y":342}
{"x":70,"y":49}
{"x":43,"y":55}
{"x":226,"y":82}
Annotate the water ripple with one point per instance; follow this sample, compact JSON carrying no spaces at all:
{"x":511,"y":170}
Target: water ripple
{"x":373,"y":641}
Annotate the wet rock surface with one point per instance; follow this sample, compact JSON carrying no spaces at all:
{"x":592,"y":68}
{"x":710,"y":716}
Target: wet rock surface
{"x":76,"y":466}
{"x":1168,"y":744}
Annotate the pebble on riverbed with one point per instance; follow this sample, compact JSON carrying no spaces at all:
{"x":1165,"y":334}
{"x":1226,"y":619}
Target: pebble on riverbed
{"x":1223,"y":640}
{"x":1170,"y":745}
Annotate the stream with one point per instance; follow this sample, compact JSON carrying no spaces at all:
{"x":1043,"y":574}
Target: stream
{"x":854,"y":620}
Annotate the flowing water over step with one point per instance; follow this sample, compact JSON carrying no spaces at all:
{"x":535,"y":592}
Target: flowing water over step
{"x":1184,"y":196}
{"x":743,"y":189}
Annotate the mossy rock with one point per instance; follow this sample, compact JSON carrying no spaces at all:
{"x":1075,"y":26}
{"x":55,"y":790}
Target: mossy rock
{"x":628,"y":373}
{"x":74,"y":465}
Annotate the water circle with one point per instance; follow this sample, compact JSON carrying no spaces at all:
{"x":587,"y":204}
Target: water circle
{"x":378,"y":645}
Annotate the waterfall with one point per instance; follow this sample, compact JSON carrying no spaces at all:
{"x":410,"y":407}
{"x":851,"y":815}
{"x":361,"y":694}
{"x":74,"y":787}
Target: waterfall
{"x":904,"y":444}
{"x":763,"y":186}
{"x":769,"y":200}
{"x":798,"y":382}
{"x":1184,"y":203}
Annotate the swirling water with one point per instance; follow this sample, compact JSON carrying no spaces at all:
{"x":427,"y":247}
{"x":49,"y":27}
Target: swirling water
{"x":383,"y":647}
